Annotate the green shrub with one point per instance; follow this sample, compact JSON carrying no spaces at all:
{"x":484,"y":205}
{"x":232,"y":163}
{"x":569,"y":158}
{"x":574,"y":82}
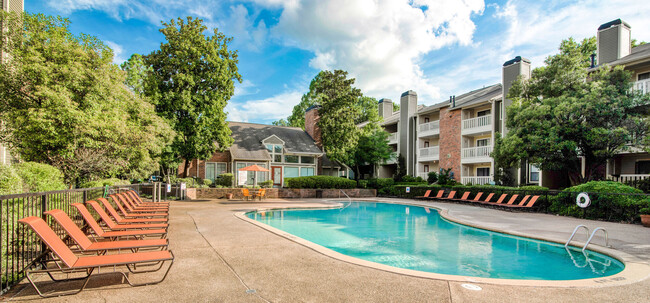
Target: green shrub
{"x":446,"y":177}
{"x":605,"y":203}
{"x":39,"y":177}
{"x":225,"y":180}
{"x":321,"y":182}
{"x":266,"y":184}
{"x":207,"y":182}
{"x":363,"y":183}
{"x":432,"y":177}
{"x":104,"y":182}
{"x":534,"y":188}
{"x":10,"y":181}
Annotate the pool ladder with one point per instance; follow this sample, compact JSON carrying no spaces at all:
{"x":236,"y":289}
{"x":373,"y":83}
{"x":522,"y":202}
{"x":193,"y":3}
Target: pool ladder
{"x":349,"y":199}
{"x":589,"y":236}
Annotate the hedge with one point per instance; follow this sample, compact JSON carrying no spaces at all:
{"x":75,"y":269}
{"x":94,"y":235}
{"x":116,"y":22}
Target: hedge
{"x":39,"y":177}
{"x":10,"y":181}
{"x":104,"y":182}
{"x":322,"y":182}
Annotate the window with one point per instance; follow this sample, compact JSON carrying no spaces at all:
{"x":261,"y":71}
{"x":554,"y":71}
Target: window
{"x":534,"y":174}
{"x":426,"y":120}
{"x":261,"y":175}
{"x":426,"y":143}
{"x":291,"y":159}
{"x":214,"y":169}
{"x":291,"y":172}
{"x":306,"y":171}
{"x":306,"y":160}
{"x":482,"y":142}
{"x":276,"y":152}
{"x":483,"y":172}
{"x":644,"y":76}
{"x":426,"y":168}
{"x":642,"y":167}
{"x":483,"y":113}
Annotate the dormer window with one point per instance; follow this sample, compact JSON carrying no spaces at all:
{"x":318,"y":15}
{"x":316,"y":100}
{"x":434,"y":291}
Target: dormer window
{"x":275,"y":150}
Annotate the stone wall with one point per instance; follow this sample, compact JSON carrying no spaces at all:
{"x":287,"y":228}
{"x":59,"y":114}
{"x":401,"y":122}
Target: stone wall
{"x":285,"y":193}
{"x":450,"y":141}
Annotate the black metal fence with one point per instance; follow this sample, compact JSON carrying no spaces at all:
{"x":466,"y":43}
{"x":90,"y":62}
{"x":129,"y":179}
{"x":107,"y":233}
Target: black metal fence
{"x":21,"y":249}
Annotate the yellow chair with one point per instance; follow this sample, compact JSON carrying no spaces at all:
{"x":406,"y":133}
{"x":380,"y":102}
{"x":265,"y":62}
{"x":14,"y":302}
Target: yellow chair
{"x":247,"y":195}
{"x":261,"y":194}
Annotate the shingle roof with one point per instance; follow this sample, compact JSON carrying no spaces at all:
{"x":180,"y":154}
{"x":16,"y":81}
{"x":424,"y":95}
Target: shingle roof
{"x":639,"y":53}
{"x":248,"y":140}
{"x":479,"y":95}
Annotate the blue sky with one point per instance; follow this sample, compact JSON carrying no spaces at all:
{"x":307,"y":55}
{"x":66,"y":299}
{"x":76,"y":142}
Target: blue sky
{"x":434,"y":47}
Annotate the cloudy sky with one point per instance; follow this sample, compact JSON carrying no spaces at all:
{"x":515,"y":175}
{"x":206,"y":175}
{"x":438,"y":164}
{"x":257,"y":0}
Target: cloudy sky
{"x":434,"y":47}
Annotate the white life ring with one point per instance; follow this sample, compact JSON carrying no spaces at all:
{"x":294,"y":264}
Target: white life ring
{"x":583,"y":200}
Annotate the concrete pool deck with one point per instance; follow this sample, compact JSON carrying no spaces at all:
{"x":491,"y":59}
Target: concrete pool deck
{"x":221,"y":258}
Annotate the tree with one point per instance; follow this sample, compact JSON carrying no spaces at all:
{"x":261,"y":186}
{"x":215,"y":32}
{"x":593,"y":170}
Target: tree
{"x":371,"y":149}
{"x":563,"y":113}
{"x":281,"y":122}
{"x":190,"y":83}
{"x":64,"y":103}
{"x":136,"y":73}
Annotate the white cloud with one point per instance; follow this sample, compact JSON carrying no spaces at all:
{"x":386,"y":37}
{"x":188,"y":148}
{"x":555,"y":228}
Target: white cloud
{"x":118,"y":52}
{"x":379,"y":42}
{"x":245,"y":88}
{"x":273,"y":108}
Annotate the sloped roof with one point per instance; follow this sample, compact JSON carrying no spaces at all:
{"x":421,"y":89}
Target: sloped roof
{"x":639,"y":54}
{"x":248,"y":138}
{"x":479,"y":95}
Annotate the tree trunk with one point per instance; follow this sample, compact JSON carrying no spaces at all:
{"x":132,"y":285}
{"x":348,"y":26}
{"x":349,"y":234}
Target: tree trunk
{"x":186,"y":168}
{"x":356,"y":174}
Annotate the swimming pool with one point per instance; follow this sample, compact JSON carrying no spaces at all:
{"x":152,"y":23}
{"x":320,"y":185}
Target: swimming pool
{"x":418,"y":238}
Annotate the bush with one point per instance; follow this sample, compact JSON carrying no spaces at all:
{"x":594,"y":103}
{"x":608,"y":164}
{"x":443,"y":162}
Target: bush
{"x":38,"y":177}
{"x":446,"y":177}
{"x":225,"y":180}
{"x":104,"y":182}
{"x":381,"y":185}
{"x":533,"y":188}
{"x":321,"y":182}
{"x":432,"y":177}
{"x":363,"y":183}
{"x":207,"y":182}
{"x":10,"y":181}
{"x":266,"y":184}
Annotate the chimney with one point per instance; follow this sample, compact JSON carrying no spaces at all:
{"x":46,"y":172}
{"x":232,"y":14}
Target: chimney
{"x":385,"y":108}
{"x":512,"y":69}
{"x":408,"y":105}
{"x":614,"y":41}
{"x":312,"y":116}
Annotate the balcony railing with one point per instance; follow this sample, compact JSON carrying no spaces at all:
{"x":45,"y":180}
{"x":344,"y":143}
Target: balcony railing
{"x":392,"y":160}
{"x":429,"y":152}
{"x":392,"y":138}
{"x":643,"y":86}
{"x":429,"y":128}
{"x":476,"y":180}
{"x":477,"y":122}
{"x":629,"y":177}
{"x":476,"y":152}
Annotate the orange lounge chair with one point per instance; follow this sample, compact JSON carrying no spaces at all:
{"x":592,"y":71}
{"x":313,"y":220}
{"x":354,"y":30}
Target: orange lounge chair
{"x":512,"y":199}
{"x":135,"y":210}
{"x":115,"y":226}
{"x":426,"y":195}
{"x":476,"y":198}
{"x":246,"y":193}
{"x":450,"y":196}
{"x":529,"y":205}
{"x":489,"y":197}
{"x":439,"y":195}
{"x":464,"y":197}
{"x":501,"y":198}
{"x":85,"y":244}
{"x":133,"y":199}
{"x":121,"y":220}
{"x":100,"y":232}
{"x":68,"y":262}
{"x":128,"y":214}
{"x":521,"y":203}
{"x":138,"y":201}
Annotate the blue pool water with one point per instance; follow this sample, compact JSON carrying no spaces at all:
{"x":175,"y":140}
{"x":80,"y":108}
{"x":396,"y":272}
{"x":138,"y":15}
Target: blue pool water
{"x":418,"y":238}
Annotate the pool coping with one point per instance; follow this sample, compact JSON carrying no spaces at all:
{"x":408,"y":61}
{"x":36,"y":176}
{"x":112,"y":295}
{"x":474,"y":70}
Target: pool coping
{"x":635,"y":270}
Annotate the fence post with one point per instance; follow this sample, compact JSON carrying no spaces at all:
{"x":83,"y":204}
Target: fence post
{"x":44,"y":217}
{"x":85,"y":196}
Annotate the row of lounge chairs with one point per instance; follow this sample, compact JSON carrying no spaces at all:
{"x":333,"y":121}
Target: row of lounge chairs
{"x":134,"y":238}
{"x":526,"y":202}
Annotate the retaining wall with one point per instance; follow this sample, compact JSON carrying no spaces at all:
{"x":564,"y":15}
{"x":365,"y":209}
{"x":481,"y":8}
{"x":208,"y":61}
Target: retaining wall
{"x":286,"y":193}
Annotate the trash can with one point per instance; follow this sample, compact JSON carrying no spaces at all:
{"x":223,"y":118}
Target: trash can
{"x":319,"y":193}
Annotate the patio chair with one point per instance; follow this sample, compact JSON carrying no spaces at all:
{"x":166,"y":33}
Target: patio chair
{"x":489,"y":197}
{"x":426,"y":195}
{"x":512,"y":199}
{"x":100,"y":232}
{"x":68,"y":262}
{"x":129,"y":214}
{"x":85,"y":244}
{"x":528,"y":205}
{"x":138,"y":201}
{"x":135,"y":210}
{"x":450,"y":196}
{"x":476,"y":198}
{"x":121,"y":220}
{"x":246,"y":193}
{"x":464,"y":197}
{"x":115,"y":226}
{"x":261,"y":194}
{"x":501,"y":199}
{"x":439,"y":195}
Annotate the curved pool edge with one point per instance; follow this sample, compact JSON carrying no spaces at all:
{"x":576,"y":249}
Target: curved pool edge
{"x":635,"y":270}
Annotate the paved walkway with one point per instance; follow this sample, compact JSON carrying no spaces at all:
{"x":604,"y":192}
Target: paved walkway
{"x":221,"y":258}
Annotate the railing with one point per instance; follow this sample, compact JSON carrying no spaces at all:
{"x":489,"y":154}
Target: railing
{"x":392,"y":160}
{"x":643,"y":86}
{"x":424,"y":175}
{"x":477,"y":122}
{"x":429,"y":152}
{"x":476,"y":180}
{"x":629,"y":177}
{"x":476,"y":152}
{"x":21,"y":249}
{"x":392,"y":138}
{"x":430,"y":126}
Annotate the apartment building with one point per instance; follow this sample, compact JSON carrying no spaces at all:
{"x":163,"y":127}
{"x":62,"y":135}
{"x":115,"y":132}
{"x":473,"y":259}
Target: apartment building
{"x":9,"y":6}
{"x":459,"y":134}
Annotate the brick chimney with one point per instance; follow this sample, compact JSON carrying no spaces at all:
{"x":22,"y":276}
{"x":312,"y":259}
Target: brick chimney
{"x":312,"y":116}
{"x":385,"y":108}
{"x":614,"y":41}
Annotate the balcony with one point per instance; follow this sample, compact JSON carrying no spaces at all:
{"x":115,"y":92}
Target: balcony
{"x":392,"y":138}
{"x":629,"y":177}
{"x":476,"y":180}
{"x":428,"y":154}
{"x":477,"y":125}
{"x":429,"y":129}
{"x":392,"y":160}
{"x":477,"y":154}
{"x":643,"y":86}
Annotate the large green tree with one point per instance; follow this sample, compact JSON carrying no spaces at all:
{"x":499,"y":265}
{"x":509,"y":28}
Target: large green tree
{"x":63,"y":102}
{"x":136,"y":73}
{"x":564,"y":112}
{"x":191,"y":80}
{"x":371,"y":149}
